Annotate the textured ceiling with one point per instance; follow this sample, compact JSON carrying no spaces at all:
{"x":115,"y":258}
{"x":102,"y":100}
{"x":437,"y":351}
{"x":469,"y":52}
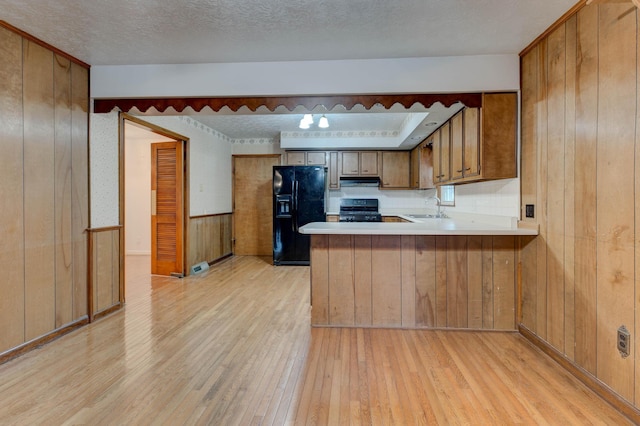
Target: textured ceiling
{"x":119,"y":32}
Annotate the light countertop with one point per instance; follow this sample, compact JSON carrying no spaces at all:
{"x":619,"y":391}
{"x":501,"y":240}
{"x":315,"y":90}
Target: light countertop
{"x":416,"y":226}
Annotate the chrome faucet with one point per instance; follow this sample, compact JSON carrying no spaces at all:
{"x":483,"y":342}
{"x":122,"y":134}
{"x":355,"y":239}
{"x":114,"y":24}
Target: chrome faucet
{"x":439,"y":213}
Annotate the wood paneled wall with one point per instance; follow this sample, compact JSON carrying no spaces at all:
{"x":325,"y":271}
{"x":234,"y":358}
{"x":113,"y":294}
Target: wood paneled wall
{"x":209,"y":238}
{"x":105,"y":264}
{"x":466,"y":282}
{"x":581,"y":170}
{"x":43,"y":188}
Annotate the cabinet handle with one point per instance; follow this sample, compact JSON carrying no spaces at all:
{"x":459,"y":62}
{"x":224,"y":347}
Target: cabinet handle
{"x":365,"y":171}
{"x":459,"y":171}
{"x":467,"y":169}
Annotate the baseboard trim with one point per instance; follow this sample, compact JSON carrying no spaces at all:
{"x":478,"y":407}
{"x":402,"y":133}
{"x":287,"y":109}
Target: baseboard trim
{"x":220,"y":259}
{"x":28,"y":346}
{"x":601,"y":389}
{"x":107,"y":311}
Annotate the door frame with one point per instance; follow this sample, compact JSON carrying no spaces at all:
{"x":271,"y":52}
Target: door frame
{"x":122,"y":118}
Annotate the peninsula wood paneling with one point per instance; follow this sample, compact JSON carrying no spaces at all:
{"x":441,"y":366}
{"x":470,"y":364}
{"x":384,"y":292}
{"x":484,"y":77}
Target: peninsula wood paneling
{"x":11,"y":193}
{"x":391,"y":281}
{"x":579,"y":128}
{"x":44,"y":190}
{"x":209,"y":238}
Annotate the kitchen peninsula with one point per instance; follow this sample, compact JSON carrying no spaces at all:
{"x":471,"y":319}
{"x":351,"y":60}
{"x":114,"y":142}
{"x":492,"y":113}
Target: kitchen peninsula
{"x":432,"y":273}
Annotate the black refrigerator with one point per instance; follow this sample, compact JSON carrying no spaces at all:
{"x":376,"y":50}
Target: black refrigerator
{"x":298,"y":199}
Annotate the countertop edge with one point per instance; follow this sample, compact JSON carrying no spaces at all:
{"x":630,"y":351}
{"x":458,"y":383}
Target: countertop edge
{"x":449,"y":227}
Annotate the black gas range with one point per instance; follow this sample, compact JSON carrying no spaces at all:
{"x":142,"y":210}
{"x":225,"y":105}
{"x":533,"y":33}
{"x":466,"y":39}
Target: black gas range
{"x":359,"y":210}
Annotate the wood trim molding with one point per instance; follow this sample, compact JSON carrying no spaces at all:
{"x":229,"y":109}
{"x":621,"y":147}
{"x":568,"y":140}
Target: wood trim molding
{"x":28,"y":346}
{"x":43,"y":44}
{"x":584,"y":376}
{"x":564,"y":18}
{"x":209,"y":215}
{"x":290,"y":102}
{"x":107,"y":311}
{"x":104,"y":229}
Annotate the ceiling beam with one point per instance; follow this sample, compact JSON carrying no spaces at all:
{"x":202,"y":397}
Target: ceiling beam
{"x":473,"y":100}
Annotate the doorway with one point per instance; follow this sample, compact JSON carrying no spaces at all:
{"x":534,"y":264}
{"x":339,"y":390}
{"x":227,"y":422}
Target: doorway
{"x":137,"y":203}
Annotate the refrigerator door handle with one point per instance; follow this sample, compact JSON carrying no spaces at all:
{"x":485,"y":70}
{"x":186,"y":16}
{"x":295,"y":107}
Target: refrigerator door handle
{"x":294,"y":202}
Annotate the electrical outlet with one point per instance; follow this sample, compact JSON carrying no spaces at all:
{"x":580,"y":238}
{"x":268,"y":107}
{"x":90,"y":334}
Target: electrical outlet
{"x":624,"y":341}
{"x":529,"y":210}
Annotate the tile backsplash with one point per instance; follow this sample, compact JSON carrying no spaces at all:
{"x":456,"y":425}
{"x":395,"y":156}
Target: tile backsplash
{"x":498,"y":197}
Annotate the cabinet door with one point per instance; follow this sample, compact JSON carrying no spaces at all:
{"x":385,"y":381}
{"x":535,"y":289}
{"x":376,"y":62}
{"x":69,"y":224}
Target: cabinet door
{"x":415,"y":167}
{"x":471,"y":142}
{"x":369,"y":163}
{"x":445,"y":153}
{"x":457,"y":169}
{"x":334,"y":178}
{"x":296,"y":158}
{"x":426,"y":166}
{"x":316,"y":158}
{"x":350,"y":163}
{"x":435,"y":150}
{"x":395,"y":169}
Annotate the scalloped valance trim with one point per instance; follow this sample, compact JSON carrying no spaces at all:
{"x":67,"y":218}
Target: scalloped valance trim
{"x":472,"y":100}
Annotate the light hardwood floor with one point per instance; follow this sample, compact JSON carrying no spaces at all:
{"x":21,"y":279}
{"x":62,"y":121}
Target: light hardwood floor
{"x":233,"y":346}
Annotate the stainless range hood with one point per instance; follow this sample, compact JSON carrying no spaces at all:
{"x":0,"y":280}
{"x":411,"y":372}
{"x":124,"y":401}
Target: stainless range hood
{"x":373,"y":181}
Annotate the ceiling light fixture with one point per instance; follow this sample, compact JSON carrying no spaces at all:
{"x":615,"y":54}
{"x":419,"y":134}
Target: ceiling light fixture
{"x":323,"y":123}
{"x":306,"y":121}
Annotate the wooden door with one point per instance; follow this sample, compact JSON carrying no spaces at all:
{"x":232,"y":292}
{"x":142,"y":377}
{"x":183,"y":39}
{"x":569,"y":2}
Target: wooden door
{"x":253,"y":204}
{"x":167,"y":183}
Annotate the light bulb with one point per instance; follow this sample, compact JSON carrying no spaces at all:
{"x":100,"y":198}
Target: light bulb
{"x":323,"y":123}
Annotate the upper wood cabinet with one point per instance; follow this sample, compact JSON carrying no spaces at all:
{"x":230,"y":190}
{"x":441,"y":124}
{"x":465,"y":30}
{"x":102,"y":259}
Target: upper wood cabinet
{"x":359,"y":163}
{"x":395,"y":169}
{"x":457,"y":167}
{"x":334,"y":176}
{"x":422,"y":165}
{"x":442,"y":154}
{"x":306,"y":158}
{"x":478,"y":143}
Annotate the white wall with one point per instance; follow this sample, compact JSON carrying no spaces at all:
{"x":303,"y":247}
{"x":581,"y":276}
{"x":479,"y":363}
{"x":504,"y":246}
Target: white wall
{"x":209,"y":157}
{"x":210,"y":164}
{"x":137,"y":154}
{"x":407,"y":75}
{"x":103,"y":168}
{"x":256,"y":146}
